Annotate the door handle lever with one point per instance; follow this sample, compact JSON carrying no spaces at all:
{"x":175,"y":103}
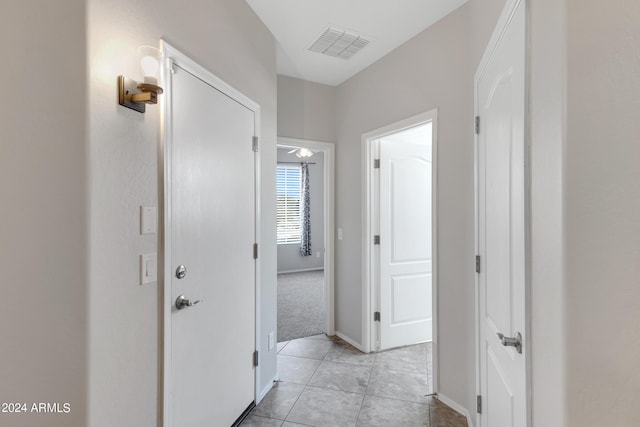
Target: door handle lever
{"x":512,"y":341}
{"x":183,"y":302}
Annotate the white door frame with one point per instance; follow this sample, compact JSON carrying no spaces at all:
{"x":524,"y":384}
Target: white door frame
{"x":329,"y":149}
{"x":171,"y":56}
{"x":369,"y":287}
{"x":498,"y":33}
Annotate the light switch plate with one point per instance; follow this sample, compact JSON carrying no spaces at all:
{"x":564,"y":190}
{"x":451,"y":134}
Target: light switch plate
{"x":148,"y":268}
{"x":148,"y":219}
{"x":272,"y":340}
{"x":339,"y":233}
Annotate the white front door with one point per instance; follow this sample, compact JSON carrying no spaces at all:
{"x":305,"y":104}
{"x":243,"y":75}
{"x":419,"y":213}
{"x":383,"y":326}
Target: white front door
{"x":501,"y":224}
{"x":405,"y":237}
{"x":212,"y":221}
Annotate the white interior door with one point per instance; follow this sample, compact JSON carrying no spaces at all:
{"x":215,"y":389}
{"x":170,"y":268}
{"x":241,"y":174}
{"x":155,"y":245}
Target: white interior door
{"x":405,"y":238}
{"x":212,"y":220}
{"x":501,"y":216}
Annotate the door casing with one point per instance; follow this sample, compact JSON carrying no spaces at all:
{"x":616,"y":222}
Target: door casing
{"x":498,"y":33}
{"x":170,"y":56}
{"x":328,"y":148}
{"x":369,"y":286}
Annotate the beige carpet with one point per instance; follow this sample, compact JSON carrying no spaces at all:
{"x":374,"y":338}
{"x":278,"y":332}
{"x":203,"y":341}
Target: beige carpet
{"x":301,"y":305}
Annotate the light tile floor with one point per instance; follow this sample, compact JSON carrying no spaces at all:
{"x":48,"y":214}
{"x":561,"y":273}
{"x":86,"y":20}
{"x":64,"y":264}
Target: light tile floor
{"x":326,"y":382}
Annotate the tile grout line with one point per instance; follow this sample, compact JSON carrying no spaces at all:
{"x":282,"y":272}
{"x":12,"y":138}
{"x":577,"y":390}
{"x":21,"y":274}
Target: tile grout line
{"x":260,"y":416}
{"x":403,"y":371}
{"x":300,"y":357}
{"x":369,"y":379}
{"x":386,"y":369}
{"x":365,"y":389}
{"x":398,"y":399}
{"x":305,"y":385}
{"x":294,"y":403}
{"x":360,"y":409}
{"x":283,"y":347}
{"x":304,"y":357}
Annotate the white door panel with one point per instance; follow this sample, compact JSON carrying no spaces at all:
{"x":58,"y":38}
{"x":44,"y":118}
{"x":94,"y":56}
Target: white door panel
{"x":411,"y":208}
{"x":501,"y":408}
{"x":409,"y":294}
{"x":500,"y":95}
{"x":405,"y":243}
{"x":213,"y":230}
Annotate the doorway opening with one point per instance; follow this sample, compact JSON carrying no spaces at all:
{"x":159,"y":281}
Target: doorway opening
{"x":304,"y":183}
{"x":399,"y":232}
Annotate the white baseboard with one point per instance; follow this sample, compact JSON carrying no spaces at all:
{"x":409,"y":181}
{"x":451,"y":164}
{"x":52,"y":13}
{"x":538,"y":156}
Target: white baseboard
{"x":266,"y":390}
{"x":350,"y":341}
{"x":303,"y":270}
{"x":456,"y":407}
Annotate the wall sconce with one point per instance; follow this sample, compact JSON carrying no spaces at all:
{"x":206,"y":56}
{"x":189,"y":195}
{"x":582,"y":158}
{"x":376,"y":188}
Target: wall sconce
{"x":134,"y":95}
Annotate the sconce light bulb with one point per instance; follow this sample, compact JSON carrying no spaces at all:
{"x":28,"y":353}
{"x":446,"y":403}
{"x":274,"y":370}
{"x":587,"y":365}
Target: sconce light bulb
{"x":149,"y":67}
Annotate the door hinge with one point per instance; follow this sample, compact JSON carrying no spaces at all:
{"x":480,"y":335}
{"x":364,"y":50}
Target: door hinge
{"x":376,"y":239}
{"x":477,"y":263}
{"x":477,"y":125}
{"x":479,"y":404}
{"x":256,"y":360}
{"x":255,"y":251}
{"x":376,"y":163}
{"x":254,"y":144}
{"x":376,"y":316}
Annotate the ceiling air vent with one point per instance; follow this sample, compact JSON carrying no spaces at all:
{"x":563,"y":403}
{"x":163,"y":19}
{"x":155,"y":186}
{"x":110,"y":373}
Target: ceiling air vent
{"x":338,"y":43}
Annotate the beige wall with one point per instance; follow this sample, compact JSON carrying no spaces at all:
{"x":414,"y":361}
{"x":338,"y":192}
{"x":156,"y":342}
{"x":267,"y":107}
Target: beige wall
{"x":603,"y":213}
{"x":229,"y":40}
{"x":306,"y":110}
{"x":433,"y":70}
{"x":548,"y":106}
{"x":43,"y":210}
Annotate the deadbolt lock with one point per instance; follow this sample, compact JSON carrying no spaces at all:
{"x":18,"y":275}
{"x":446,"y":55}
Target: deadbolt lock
{"x":181,"y":271}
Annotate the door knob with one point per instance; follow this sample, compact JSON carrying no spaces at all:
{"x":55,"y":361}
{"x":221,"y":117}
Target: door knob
{"x":512,"y":341}
{"x":182,"y":302}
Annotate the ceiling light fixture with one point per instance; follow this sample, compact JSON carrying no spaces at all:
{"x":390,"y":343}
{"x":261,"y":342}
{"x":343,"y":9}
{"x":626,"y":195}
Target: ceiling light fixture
{"x":302,"y":153}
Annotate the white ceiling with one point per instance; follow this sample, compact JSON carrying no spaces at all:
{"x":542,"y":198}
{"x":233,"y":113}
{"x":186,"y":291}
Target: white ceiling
{"x":387,"y":23}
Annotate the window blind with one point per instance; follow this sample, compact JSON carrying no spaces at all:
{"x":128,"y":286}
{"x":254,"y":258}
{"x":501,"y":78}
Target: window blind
{"x":288,"y":215}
